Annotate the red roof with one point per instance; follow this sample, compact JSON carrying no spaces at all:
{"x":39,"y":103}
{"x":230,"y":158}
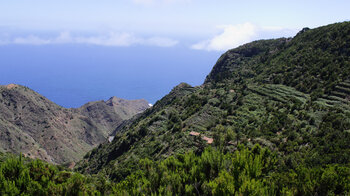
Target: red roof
{"x":194,"y":133}
{"x":208,"y":139}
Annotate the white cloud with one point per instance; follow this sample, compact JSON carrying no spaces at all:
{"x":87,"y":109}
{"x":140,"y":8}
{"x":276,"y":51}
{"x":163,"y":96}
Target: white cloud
{"x":32,"y":40}
{"x":236,"y":35}
{"x":232,"y":36}
{"x":112,"y":39}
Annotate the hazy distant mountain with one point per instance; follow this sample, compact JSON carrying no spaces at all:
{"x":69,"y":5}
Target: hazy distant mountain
{"x":108,"y":115}
{"x":38,"y":128}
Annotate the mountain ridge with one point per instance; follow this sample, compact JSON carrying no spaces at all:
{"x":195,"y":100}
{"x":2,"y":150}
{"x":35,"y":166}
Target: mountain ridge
{"x":39,"y":128}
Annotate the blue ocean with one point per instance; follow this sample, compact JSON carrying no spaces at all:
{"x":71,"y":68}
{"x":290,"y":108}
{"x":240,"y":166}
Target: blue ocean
{"x":72,"y":75}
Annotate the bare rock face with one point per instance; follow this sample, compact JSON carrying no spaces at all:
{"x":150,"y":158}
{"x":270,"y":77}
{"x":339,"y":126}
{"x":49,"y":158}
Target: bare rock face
{"x":38,"y":128}
{"x":109,"y":114}
{"x":127,"y":108}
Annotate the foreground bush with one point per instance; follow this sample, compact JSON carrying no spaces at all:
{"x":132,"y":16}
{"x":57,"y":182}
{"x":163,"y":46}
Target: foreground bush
{"x":253,"y":171}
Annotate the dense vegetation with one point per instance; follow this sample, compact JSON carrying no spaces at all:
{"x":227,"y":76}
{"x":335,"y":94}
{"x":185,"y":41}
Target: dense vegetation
{"x":20,"y":176}
{"x":244,"y":172}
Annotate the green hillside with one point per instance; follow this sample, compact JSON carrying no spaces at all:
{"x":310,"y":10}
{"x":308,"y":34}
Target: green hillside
{"x":290,"y":96}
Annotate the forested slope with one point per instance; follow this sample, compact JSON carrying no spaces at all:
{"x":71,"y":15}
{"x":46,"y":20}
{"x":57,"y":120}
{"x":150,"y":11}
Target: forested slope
{"x":290,"y":95}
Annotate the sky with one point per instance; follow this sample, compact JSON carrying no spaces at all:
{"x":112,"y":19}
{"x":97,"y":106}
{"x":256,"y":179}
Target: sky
{"x":198,"y":31}
{"x":201,"y":24}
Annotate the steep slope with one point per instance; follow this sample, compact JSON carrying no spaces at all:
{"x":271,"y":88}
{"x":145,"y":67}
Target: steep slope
{"x":108,"y":115}
{"x":290,"y":95}
{"x":314,"y":61}
{"x":38,"y":128}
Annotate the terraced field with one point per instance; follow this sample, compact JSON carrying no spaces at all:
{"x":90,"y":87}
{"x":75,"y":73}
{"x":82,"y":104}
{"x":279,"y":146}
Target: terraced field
{"x":339,"y":97}
{"x":281,"y":93}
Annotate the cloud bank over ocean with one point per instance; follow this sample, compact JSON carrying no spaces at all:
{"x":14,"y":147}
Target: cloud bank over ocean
{"x":229,"y":36}
{"x":111,"y":39}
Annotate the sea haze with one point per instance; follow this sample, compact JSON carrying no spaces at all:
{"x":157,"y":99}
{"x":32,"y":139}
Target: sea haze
{"x":71,"y":75}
